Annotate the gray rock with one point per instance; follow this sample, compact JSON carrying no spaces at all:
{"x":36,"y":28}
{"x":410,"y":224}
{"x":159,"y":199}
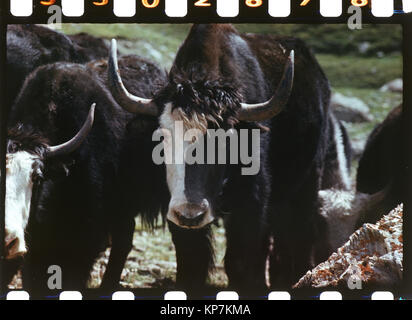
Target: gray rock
{"x":350,"y":109}
{"x":373,"y":255}
{"x":363,"y":47}
{"x":393,"y":86}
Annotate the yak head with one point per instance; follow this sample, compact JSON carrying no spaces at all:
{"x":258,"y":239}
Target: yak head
{"x":28,"y":156}
{"x":191,"y":109}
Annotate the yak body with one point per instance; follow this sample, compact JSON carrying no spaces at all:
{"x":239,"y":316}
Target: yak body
{"x":75,"y":205}
{"x":31,"y":46}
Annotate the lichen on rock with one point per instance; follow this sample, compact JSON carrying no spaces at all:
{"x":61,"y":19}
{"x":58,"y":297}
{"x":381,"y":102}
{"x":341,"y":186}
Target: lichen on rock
{"x":374,"y":254}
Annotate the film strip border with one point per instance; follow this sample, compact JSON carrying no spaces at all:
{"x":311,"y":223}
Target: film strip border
{"x":210,"y":10}
{"x":36,"y":11}
{"x":180,"y":295}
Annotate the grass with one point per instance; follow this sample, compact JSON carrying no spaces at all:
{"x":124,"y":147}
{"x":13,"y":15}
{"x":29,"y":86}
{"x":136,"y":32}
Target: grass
{"x":153,"y":41}
{"x":360,"y":72}
{"x":161,"y":42}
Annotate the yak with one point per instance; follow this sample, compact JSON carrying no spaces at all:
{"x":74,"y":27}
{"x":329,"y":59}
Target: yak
{"x":63,"y":199}
{"x":381,"y":169}
{"x":221,"y":79}
{"x":31,"y":46}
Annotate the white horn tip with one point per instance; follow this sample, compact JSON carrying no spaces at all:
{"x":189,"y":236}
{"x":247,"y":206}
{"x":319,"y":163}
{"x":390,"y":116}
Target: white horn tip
{"x":292,"y":55}
{"x":92,"y":109}
{"x":114,"y":45}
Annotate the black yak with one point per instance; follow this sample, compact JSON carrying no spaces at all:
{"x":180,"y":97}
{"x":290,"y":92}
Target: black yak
{"x":221,"y":79}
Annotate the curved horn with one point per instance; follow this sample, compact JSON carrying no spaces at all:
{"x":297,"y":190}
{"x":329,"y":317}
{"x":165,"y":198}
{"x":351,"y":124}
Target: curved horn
{"x":271,"y":108}
{"x":76,"y":141}
{"x":125,"y":99}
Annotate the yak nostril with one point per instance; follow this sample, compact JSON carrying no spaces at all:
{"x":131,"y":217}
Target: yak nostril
{"x":198,"y":217}
{"x":10,"y":244}
{"x":14,"y":247}
{"x":190,"y":214}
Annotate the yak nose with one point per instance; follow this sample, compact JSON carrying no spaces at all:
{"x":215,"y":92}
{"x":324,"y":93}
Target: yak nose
{"x":14,"y":246}
{"x":190,"y":215}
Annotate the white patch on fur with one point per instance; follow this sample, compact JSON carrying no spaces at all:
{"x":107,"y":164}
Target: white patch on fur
{"x":19,"y":187}
{"x":341,"y":210}
{"x":340,"y":150}
{"x":336,"y":207}
{"x":175,"y":173}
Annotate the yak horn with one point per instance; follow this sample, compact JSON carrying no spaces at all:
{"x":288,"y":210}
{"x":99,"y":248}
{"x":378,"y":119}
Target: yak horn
{"x":76,"y":141}
{"x":271,"y":108}
{"x":125,"y":99}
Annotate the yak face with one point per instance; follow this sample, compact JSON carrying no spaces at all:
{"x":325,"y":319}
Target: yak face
{"x":22,"y":170}
{"x":192,"y":185}
{"x":196,"y":174}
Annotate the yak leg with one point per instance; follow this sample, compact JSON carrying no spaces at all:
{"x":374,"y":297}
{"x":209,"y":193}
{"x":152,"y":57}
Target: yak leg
{"x":292,"y":258}
{"x":246,"y":253}
{"x":194,"y":256}
{"x":122,"y":243}
{"x":301,"y":240}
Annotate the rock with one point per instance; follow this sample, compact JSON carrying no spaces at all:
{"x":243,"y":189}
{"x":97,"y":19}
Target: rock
{"x":393,"y":86}
{"x":363,"y":47}
{"x":358,"y":146}
{"x":373,"y":255}
{"x":350,"y":109}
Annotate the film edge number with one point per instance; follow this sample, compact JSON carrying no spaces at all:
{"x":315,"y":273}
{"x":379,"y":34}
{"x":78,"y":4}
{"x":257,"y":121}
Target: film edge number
{"x":48,"y":3}
{"x":205,"y":3}
{"x":198,"y":3}
{"x":101,"y":3}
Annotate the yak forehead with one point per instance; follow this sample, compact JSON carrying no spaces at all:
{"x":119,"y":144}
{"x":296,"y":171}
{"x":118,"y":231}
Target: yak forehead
{"x":172,"y":114}
{"x":200,"y":103}
{"x":20,"y":167}
{"x":25,"y":138}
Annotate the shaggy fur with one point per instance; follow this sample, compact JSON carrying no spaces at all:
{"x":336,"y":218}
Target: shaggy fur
{"x":202,"y":103}
{"x":31,"y":46}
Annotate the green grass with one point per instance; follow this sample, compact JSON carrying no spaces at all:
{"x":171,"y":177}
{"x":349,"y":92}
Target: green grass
{"x":332,"y":39}
{"x":153,"y":41}
{"x":161,"y":42}
{"x":337,"y":39}
{"x":360,"y":72}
